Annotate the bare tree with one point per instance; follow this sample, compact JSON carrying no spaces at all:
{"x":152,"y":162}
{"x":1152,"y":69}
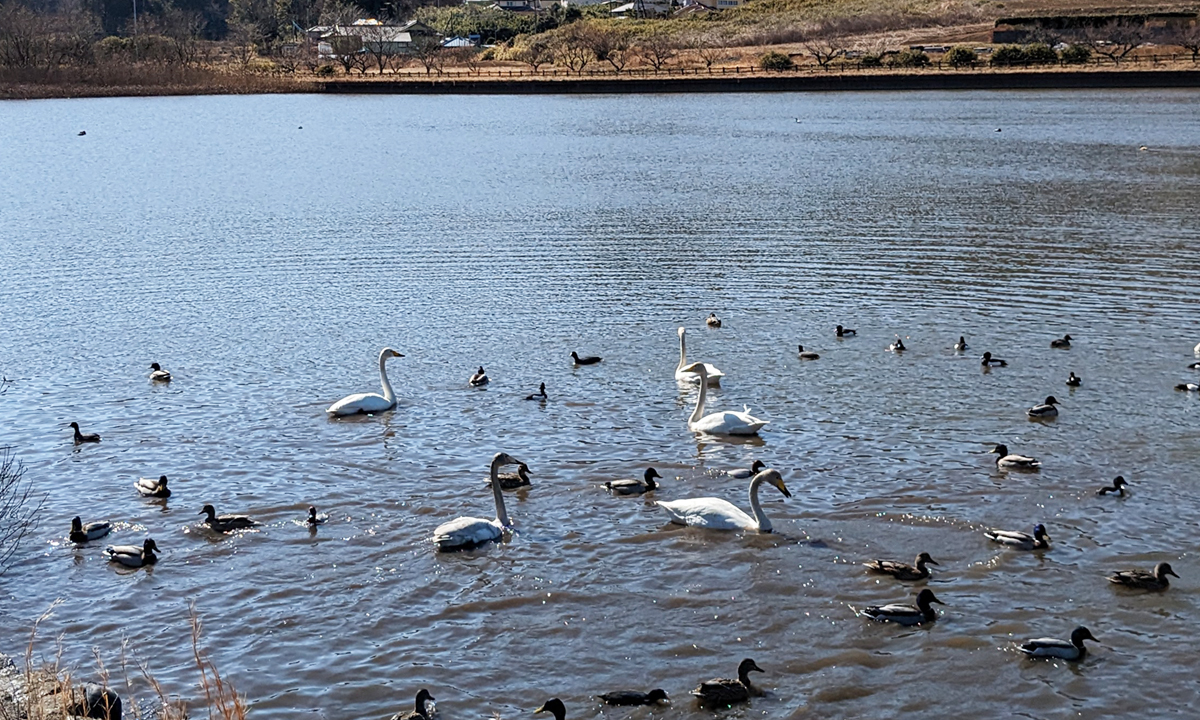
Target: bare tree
{"x":574,"y":49}
{"x":19,"y":507}
{"x":428,"y":50}
{"x":534,"y":53}
{"x":1116,"y":39}
{"x":658,"y":48}
{"x":612,"y":45}
{"x":22,"y":34}
{"x":467,"y":57}
{"x":710,"y":46}
{"x":1187,"y":38}
{"x":826,"y":50}
{"x":378,"y":46}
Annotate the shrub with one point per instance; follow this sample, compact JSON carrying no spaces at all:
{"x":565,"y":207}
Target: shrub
{"x":871,"y":61}
{"x":1009,"y":55}
{"x":910,"y":59}
{"x":775,"y":61}
{"x":960,"y":56}
{"x":1040,"y":53}
{"x":1076,"y":54}
{"x":325,"y":70}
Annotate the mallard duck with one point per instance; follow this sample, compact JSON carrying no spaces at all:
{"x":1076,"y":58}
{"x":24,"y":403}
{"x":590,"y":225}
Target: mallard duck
{"x":81,"y":533}
{"x":743,"y":473}
{"x":1188,"y":387}
{"x":1045,"y":410}
{"x":313,"y":518}
{"x":513,"y":480}
{"x":1072,"y":649}
{"x":1013,"y":462}
{"x":225,"y":523}
{"x":633,"y":486}
{"x":724,"y":691}
{"x":589,"y":360}
{"x":153,"y":488}
{"x":961,"y":344}
{"x":989,"y":361}
{"x":804,"y":355}
{"x":479,"y":378}
{"x":843,"y":332}
{"x":917,"y":614}
{"x":897,"y":345}
{"x":903,"y":571}
{"x":1144,"y":580}
{"x":540,"y":394}
{"x":1062,"y":342}
{"x":712,"y":320}
{"x":133,"y":555}
{"x":421,"y":712}
{"x":1074,"y":380}
{"x":1117,"y":487}
{"x":1039,"y":540}
{"x":97,"y":702}
{"x":633,"y":697}
{"x":157,"y":374}
{"x":83,"y":437}
{"x":553,"y":706}
{"x":1194,"y":366}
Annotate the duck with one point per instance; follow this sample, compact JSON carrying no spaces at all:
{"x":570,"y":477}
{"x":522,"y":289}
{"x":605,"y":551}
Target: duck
{"x":512,"y":481}
{"x":961,"y":344}
{"x":1188,"y":387}
{"x":1045,"y":410}
{"x":150,"y":487}
{"x":1005,"y":461}
{"x":369,"y":402}
{"x":468,"y":532}
{"x":743,"y":473}
{"x":1144,"y":580}
{"x":1062,"y":342}
{"x":225,"y":523}
{"x":1117,"y":488}
{"x":479,"y":378}
{"x":804,"y":355}
{"x":1074,"y":380}
{"x":589,"y":360}
{"x":633,"y":697}
{"x":844,"y":331}
{"x":1039,"y":540}
{"x":726,"y":691}
{"x":83,"y":437}
{"x":81,"y":133}
{"x":555,"y":707}
{"x":989,"y":361}
{"x":313,"y":518}
{"x":1072,"y":649}
{"x":97,"y":701}
{"x":633,"y":486}
{"x":903,"y":571}
{"x":712,"y":320}
{"x":897,"y":345}
{"x":81,"y":533}
{"x":903,"y":614}
{"x":714,"y":374}
{"x":717,"y":514}
{"x":540,"y":394}
{"x":421,"y":712}
{"x":723,"y":423}
{"x":133,"y":555}
{"x":157,"y":374}
{"x":1194,"y":366}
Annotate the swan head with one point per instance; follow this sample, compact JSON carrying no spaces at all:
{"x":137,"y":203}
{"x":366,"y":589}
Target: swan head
{"x":697,"y":367}
{"x":924,"y":558}
{"x":682,"y":331}
{"x":389,"y":353}
{"x":553,"y":706}
{"x":658,"y":695}
{"x":925,"y":597}
{"x":505,"y":459}
{"x":774,"y":478}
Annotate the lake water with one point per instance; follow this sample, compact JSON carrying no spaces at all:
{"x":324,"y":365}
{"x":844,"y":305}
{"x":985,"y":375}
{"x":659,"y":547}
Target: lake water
{"x":264,"y":249}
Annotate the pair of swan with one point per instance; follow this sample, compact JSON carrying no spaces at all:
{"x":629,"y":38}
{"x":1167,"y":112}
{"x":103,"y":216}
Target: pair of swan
{"x":717,"y":514}
{"x":369,"y":402}
{"x":722,"y":423}
{"x":713,"y":376}
{"x":469,"y":532}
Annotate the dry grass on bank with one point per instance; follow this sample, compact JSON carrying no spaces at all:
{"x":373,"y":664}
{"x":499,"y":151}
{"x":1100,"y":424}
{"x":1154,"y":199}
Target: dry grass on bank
{"x":125,"y":80}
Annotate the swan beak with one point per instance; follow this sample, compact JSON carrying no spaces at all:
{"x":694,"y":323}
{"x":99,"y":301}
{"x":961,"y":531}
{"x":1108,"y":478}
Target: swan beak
{"x":783,"y":489}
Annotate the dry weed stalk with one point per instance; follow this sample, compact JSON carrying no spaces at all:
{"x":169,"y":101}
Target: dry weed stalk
{"x":221,"y":697}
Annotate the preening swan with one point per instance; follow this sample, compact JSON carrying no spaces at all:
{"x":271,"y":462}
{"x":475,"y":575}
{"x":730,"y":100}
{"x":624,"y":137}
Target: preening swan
{"x":714,"y":375}
{"x":369,"y":402}
{"x":468,"y":532}
{"x":722,"y":423}
{"x":717,"y":514}
{"x":1072,"y":649}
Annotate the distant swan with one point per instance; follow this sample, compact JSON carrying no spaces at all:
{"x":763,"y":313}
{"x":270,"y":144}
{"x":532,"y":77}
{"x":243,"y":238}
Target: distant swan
{"x":722,"y":423}
{"x":468,"y":532}
{"x":369,"y":402}
{"x":714,"y":375}
{"x":717,"y":514}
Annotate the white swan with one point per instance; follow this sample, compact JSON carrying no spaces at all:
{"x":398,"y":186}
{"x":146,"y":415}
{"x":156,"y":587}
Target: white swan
{"x":467,"y":532}
{"x":369,"y":402}
{"x":717,"y":514}
{"x":722,"y":423}
{"x":714,"y":375}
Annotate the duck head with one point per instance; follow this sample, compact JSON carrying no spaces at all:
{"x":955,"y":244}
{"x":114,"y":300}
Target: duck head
{"x":758,"y":466}
{"x":76,"y":524}
{"x":1079,"y":634}
{"x":155,"y":366}
{"x":1051,"y":400}
{"x":745,"y":667}
{"x":1163,"y":569}
{"x":658,"y":695}
{"x":423,"y":697}
{"x":553,"y":706}
{"x":1039,"y":532}
{"x":924,"y":559}
{"x":210,"y":511}
{"x":1000,"y":450}
{"x":649,"y":476}
{"x":149,"y":546}
{"x":925,"y":597}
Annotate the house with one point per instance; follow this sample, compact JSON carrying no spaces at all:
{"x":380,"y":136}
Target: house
{"x":527,"y":5}
{"x":370,"y":35}
{"x":641,"y":8}
{"x":458,"y":41}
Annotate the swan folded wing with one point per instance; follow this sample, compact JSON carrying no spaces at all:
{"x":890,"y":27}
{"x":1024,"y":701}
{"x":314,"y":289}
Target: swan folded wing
{"x":466,"y":531}
{"x":713,"y":513}
{"x":729,"y":423}
{"x":360,"y":403}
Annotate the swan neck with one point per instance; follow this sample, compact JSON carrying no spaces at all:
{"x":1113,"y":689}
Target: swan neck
{"x":699,"y":411}
{"x":501,"y":513}
{"x":764,"y":525}
{"x":682,"y":354}
{"x":388,"y":394}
